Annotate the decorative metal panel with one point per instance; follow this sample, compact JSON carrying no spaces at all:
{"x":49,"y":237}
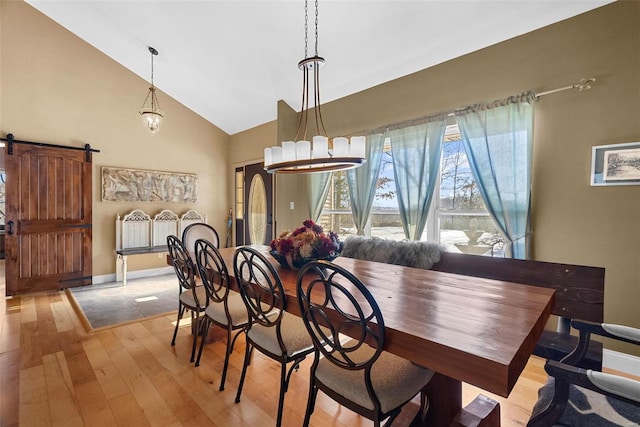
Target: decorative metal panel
{"x":136,"y":185}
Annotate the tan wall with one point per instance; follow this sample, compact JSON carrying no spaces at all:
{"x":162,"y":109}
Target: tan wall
{"x":58,"y":89}
{"x":573,"y":222}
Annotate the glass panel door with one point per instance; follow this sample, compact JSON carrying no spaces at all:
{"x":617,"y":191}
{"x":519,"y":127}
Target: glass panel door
{"x":257,"y":210}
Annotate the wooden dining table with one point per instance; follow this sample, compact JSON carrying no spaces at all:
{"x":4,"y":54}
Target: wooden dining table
{"x":466,"y":329}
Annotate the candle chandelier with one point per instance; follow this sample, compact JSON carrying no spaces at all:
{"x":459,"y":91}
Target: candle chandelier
{"x":324,"y":155}
{"x":151,"y":114}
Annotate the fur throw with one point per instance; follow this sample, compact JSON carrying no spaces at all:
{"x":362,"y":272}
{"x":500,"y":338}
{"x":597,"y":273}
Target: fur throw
{"x":407,"y":253}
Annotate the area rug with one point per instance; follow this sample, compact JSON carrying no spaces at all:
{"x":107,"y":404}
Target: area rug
{"x":112,"y":304}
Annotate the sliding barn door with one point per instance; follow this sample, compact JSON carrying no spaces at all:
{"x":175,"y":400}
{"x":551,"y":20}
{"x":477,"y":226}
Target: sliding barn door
{"x":48,"y":225}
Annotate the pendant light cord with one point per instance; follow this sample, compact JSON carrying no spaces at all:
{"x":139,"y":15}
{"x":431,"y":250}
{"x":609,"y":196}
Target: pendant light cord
{"x":152,"y":69}
{"x":316,"y":54}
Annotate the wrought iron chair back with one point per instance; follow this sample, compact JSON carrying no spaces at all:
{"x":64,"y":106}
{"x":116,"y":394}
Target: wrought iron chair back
{"x":333,"y":302}
{"x":260,"y":286}
{"x":182,"y":263}
{"x":263,"y":294}
{"x":348,"y":334}
{"x":190,"y":296}
{"x":212,"y":271}
{"x":226,"y":308}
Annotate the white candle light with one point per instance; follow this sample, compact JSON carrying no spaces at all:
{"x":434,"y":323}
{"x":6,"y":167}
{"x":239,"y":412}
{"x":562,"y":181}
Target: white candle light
{"x":320,"y":147}
{"x":340,"y":147}
{"x":267,"y":156}
{"x":288,"y":151}
{"x":303,"y":150}
{"x":357,"y":146}
{"x":276,"y":154}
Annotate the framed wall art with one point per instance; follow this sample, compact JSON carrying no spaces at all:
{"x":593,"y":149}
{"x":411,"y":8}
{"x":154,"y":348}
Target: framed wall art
{"x":616,"y":164}
{"x":136,"y":185}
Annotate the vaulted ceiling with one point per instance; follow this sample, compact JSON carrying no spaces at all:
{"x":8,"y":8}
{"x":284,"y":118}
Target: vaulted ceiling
{"x":231,"y":61}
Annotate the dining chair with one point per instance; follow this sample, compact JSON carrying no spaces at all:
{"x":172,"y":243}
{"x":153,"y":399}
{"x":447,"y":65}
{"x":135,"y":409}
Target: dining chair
{"x":226,"y":308}
{"x":576,"y":396}
{"x":274,"y":332}
{"x":190,"y":297}
{"x":199,"y":230}
{"x":355,"y":372}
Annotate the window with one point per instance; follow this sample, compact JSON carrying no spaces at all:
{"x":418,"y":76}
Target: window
{"x":239,"y":193}
{"x":336,"y":214}
{"x":458,"y":217}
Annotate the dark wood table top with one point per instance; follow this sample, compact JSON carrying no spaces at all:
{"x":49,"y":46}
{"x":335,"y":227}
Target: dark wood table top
{"x":478,"y":331}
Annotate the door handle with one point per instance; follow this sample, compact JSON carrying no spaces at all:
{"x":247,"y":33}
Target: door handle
{"x":10,"y":229}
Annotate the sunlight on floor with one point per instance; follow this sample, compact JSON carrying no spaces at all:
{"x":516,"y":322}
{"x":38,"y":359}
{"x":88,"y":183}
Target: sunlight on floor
{"x":145,"y":299}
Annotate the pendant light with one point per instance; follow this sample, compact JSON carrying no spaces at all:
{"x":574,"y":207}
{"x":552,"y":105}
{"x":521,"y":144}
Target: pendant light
{"x":151,"y":114}
{"x":300,"y":155}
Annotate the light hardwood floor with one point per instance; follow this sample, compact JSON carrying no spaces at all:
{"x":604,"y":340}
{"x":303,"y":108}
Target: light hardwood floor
{"x":52,"y":372}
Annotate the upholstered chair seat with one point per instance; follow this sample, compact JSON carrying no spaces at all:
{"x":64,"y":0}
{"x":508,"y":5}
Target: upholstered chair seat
{"x":188,"y":299}
{"x":395,"y":380}
{"x":294,"y":335}
{"x":237,"y":310}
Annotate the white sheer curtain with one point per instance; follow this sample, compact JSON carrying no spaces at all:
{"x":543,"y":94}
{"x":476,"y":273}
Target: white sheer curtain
{"x":317,"y":188}
{"x":416,"y":152}
{"x":362,"y":182}
{"x":498,"y":140}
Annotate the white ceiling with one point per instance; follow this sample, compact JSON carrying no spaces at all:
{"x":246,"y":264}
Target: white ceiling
{"x":231,"y":61}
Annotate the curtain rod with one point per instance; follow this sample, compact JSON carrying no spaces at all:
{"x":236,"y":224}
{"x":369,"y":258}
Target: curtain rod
{"x":583,"y":84}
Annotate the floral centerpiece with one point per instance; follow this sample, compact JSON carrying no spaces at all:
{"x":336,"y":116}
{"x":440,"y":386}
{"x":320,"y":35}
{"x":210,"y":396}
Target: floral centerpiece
{"x":307,"y":243}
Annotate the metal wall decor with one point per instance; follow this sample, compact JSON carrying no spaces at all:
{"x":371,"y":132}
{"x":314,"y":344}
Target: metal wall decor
{"x":136,"y":185}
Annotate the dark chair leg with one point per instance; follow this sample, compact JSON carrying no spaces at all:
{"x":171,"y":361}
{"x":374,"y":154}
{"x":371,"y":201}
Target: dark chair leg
{"x":175,"y":331}
{"x":205,"y":330}
{"x":247,"y":353}
{"x":230,"y":343}
{"x":196,"y":331}
{"x":283,"y":389}
{"x":251,"y":356}
{"x":311,"y":402}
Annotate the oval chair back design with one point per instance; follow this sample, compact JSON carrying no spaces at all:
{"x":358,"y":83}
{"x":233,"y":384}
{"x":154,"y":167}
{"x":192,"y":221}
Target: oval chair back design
{"x":263,"y":295}
{"x":199,"y":230}
{"x":212,"y":271}
{"x":336,"y":305}
{"x":190,"y":296}
{"x":261,"y":288}
{"x":182,"y":263}
{"x":226,"y":308}
{"x":333,"y":302}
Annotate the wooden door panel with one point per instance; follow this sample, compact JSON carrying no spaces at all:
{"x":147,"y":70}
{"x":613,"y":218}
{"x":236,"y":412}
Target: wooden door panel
{"x":39,"y":254}
{"x":49,"y":205}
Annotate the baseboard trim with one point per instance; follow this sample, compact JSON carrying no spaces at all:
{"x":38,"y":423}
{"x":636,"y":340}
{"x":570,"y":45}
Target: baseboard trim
{"x":621,"y":362}
{"x":137,"y":274}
